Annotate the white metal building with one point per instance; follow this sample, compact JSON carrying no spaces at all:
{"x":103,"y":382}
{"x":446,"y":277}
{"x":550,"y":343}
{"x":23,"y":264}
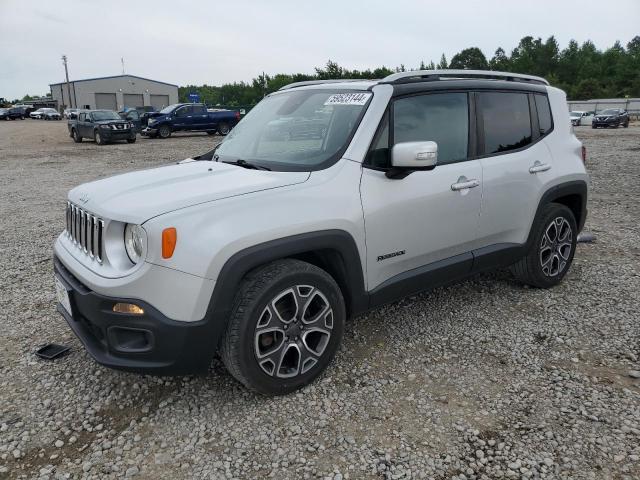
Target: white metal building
{"x":114,"y":93}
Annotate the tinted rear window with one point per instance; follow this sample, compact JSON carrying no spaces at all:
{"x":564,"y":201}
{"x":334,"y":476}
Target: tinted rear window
{"x":506,"y":120}
{"x":544,"y":113}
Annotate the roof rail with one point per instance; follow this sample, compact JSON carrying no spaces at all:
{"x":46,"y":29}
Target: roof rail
{"x":319,"y":82}
{"x":422,"y":75}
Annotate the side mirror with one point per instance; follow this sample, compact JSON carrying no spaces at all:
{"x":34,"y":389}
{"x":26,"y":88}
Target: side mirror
{"x":414,"y":155}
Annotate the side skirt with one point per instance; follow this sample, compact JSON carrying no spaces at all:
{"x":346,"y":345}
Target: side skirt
{"x":445,"y":272}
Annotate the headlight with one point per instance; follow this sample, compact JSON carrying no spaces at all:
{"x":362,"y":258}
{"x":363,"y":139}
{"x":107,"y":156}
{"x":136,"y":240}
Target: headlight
{"x":104,"y":126}
{"x":134,"y":240}
{"x":152,"y":121}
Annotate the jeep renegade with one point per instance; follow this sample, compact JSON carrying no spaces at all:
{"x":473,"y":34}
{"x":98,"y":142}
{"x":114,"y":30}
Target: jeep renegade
{"x":328,"y":199}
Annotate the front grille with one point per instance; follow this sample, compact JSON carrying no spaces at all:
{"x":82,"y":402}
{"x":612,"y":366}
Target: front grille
{"x":86,"y":231}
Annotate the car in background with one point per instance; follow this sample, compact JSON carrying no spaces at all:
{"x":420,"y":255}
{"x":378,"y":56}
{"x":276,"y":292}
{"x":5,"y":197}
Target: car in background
{"x":71,"y":113}
{"x":51,"y":114}
{"x":15,"y":113}
{"x":612,"y":117}
{"x":37,"y":114}
{"x":190,"y":117}
{"x":134,"y":116}
{"x":103,"y":126}
{"x":579,"y":117}
{"x":4,"y":114}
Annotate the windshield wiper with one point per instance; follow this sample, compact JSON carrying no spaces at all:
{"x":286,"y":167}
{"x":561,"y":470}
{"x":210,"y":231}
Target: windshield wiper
{"x":244,"y":164}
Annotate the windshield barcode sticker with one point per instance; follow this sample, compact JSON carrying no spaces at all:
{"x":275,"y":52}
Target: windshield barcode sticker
{"x":348,"y":99}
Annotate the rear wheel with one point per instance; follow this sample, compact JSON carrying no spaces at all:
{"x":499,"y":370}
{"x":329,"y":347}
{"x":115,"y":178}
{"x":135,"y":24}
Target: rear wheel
{"x":76,"y":136}
{"x":164,"y":131}
{"x":626,"y":124}
{"x":131,"y":140}
{"x":285,"y":327}
{"x":224,"y":129}
{"x":552,"y":248}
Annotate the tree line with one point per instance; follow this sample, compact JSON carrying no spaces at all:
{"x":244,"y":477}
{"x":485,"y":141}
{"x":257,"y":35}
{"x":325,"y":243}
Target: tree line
{"x":583,"y":71}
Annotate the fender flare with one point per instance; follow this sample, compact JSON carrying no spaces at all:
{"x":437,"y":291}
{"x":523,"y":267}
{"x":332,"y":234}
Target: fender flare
{"x":575,"y":187}
{"x":339,"y":243}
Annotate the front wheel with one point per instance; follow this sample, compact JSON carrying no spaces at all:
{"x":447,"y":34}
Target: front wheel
{"x":131,"y":140}
{"x":551,"y":249}
{"x":285,"y":327}
{"x":224,"y":129}
{"x":164,"y":131}
{"x":626,"y":124}
{"x":99,"y":139}
{"x":76,"y":136}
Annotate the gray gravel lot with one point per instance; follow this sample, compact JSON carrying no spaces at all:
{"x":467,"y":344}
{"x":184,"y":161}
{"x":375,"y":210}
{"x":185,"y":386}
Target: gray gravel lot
{"x":485,"y":379}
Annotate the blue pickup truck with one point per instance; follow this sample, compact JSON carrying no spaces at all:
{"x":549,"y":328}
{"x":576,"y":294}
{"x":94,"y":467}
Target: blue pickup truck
{"x":190,"y":117}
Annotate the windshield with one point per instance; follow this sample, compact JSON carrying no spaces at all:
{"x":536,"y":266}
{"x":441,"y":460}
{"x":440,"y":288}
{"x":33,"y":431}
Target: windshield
{"x":611,"y":111}
{"x":575,"y":114}
{"x":169,"y":109}
{"x":49,"y":110}
{"x":296,"y":130}
{"x":105,"y":115}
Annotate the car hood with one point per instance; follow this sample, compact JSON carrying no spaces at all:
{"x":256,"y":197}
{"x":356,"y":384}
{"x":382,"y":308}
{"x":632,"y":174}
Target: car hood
{"x":110,"y":122}
{"x":139,"y":196}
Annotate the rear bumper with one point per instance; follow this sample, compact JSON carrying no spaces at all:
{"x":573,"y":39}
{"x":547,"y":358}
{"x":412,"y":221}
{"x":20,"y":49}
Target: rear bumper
{"x":148,"y":343}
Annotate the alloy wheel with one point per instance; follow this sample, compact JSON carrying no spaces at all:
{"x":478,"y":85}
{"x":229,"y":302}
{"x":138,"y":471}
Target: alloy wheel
{"x":555,"y":247}
{"x":293,"y":331}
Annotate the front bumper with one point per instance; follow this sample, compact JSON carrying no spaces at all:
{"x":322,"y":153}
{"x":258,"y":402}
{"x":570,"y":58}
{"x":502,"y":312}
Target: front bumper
{"x":149,"y":132}
{"x":148,"y":343}
{"x":611,"y":123}
{"x":109,"y":134}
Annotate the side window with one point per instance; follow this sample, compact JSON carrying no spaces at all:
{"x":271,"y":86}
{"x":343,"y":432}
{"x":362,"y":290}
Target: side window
{"x":199,"y":110}
{"x":506,"y":121}
{"x":133,"y":115}
{"x":183,"y":111}
{"x":439,"y":117}
{"x":544,"y":114}
{"x":82,"y":117}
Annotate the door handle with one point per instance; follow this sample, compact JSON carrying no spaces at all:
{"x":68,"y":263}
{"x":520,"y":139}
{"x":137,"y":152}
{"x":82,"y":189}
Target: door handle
{"x":463,"y":184}
{"x":539,"y":167}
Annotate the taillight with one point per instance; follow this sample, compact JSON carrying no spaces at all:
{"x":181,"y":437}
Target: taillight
{"x":238,"y":116}
{"x":584,"y":154}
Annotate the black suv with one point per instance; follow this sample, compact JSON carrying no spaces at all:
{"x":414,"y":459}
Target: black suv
{"x":612,"y":117}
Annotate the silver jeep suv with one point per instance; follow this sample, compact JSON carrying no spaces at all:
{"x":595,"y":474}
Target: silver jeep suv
{"x":328,"y":199}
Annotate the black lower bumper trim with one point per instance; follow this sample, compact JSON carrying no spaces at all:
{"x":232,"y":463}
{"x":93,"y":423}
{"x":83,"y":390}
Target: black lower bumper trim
{"x":148,"y":343}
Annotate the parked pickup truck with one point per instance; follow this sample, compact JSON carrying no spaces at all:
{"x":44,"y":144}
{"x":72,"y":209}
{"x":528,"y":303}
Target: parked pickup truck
{"x":190,"y":117}
{"x":103,"y":126}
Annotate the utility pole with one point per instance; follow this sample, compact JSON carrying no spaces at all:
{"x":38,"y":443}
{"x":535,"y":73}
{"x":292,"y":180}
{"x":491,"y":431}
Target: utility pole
{"x":122,"y":60}
{"x":66,"y":72}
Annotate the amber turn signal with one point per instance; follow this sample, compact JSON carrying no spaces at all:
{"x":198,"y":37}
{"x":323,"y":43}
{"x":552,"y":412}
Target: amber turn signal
{"x":128,"y":308}
{"x":169,"y":239}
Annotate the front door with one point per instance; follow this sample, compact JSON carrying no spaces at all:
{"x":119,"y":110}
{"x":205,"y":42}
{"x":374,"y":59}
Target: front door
{"x":428,"y":216}
{"x":183,"y":118}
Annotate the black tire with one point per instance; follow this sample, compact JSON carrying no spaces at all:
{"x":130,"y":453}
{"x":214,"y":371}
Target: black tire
{"x":164,"y":131}
{"x":594,"y":126}
{"x":224,"y":129}
{"x":626,"y":124}
{"x":75,"y":135}
{"x":530,"y":269}
{"x":261,"y":291}
{"x":98,"y":138}
{"x":131,"y":140}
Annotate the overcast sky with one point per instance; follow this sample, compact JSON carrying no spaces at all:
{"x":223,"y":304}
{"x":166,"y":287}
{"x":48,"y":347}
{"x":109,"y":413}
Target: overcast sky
{"x":198,"y":42}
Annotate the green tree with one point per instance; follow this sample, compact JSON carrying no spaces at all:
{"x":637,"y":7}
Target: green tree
{"x":470,"y":59}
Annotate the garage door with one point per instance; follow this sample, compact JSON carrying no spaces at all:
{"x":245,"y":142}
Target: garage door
{"x":106,"y":101}
{"x":159,"y":101}
{"x":133,"y":100}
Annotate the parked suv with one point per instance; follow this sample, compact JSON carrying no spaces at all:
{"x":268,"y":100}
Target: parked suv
{"x":261,"y":249}
{"x":613,"y":117}
{"x":103,"y":126}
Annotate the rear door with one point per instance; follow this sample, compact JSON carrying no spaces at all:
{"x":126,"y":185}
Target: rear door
{"x":424,"y":217}
{"x":516,"y":162}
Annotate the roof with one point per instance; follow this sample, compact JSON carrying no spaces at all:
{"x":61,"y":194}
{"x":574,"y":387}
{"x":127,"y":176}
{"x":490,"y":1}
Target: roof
{"x":113,"y":76}
{"x":417,"y":76}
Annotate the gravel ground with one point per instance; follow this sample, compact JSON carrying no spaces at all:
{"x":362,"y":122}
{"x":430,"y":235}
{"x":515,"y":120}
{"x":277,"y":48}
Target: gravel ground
{"x":485,"y":379}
